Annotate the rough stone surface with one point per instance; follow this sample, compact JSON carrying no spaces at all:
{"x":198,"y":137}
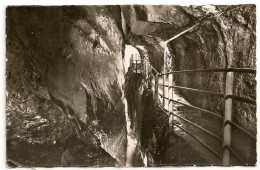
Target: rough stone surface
{"x":224,"y":41}
{"x":61,"y":52}
{"x":225,"y":37}
{"x":65,"y":71}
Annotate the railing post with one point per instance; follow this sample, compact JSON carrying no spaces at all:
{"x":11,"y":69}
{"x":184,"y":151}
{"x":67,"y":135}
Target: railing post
{"x":164,"y":76}
{"x":131,"y":61}
{"x":156,"y":86}
{"x":170,"y":104}
{"x":136,"y":64}
{"x":163,"y":99}
{"x":141,"y":65}
{"x":144,"y":68}
{"x":146,"y":71}
{"x":227,"y":117}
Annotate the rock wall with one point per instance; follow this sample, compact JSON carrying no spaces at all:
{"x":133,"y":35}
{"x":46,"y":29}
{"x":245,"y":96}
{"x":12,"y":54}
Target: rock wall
{"x":70,"y":60}
{"x":70,"y":57}
{"x":218,"y":42}
{"x":225,"y":37}
{"x":224,"y":41}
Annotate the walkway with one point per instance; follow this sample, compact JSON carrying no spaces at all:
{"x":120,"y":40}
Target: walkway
{"x":203,"y":128}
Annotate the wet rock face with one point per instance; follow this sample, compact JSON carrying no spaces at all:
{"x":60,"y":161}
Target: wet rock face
{"x":148,"y":25}
{"x":200,"y":50}
{"x":68,"y":61}
{"x":228,"y":40}
{"x":154,"y":132}
{"x":219,"y":42}
{"x":74,"y":52}
{"x":67,"y":55}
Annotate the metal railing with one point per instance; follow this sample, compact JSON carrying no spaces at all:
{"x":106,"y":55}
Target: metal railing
{"x":241,"y":70}
{"x":228,"y":96}
{"x":136,"y":63}
{"x":225,"y":139}
{"x":227,"y":116}
{"x":152,"y":77}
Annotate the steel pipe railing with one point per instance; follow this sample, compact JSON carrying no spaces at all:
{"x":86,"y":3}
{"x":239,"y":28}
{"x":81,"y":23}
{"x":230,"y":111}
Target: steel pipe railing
{"x":235,"y":154}
{"x":194,"y":107}
{"x":241,"y":129}
{"x":228,"y":112}
{"x":154,"y":69}
{"x":194,"y":137}
{"x":199,"y":127}
{"x":242,"y":99}
{"x":153,"y":75}
{"x":228,"y":96}
{"x":198,"y":140}
{"x":241,"y":70}
{"x":196,"y":90}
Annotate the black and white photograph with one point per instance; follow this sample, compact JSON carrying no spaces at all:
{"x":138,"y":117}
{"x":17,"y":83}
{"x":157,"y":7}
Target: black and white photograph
{"x":135,"y":85}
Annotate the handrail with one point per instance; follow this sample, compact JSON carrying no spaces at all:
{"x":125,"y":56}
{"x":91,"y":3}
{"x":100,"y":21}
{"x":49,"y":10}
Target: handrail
{"x":198,"y":140}
{"x":194,"y":137}
{"x":242,"y":70}
{"x":200,"y":109}
{"x":228,"y":96}
{"x":181,"y":33}
{"x":152,"y":75}
{"x":154,"y":69}
{"x":194,"y":107}
{"x":236,"y":154}
{"x":197,"y":90}
{"x":199,"y":127}
{"x":241,"y":129}
{"x":242,"y":99}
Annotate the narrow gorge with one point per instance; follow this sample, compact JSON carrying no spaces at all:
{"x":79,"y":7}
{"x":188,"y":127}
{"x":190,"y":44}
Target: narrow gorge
{"x":73,"y":99}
